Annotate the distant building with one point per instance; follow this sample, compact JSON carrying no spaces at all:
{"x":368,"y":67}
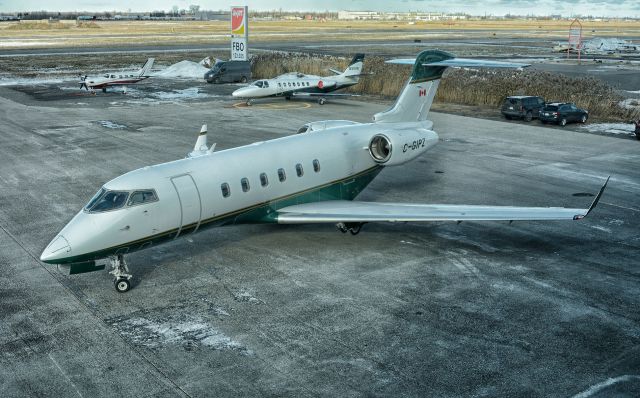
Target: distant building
{"x":397,"y":16}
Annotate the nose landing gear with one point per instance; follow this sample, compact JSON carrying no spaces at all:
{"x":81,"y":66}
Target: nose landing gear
{"x":120,"y":271}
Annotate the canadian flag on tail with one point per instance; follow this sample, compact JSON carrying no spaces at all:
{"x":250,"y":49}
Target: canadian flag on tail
{"x":422,"y":92}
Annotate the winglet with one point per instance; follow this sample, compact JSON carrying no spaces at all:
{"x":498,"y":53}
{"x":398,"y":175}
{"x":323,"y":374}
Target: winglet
{"x":595,"y":201}
{"x":598,"y":196}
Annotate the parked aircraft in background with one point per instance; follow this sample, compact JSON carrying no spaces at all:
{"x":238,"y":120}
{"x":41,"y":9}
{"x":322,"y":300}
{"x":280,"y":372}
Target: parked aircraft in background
{"x":296,"y":84}
{"x":310,"y":177}
{"x":116,"y":78}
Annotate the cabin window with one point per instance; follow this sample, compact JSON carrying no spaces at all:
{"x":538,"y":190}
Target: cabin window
{"x":245,"y":184}
{"x":298,"y":84}
{"x":226,"y":191}
{"x":279,"y":84}
{"x":299,"y":170}
{"x":140,"y":197}
{"x":107,"y":200}
{"x":264,"y":181}
{"x":282,"y":176}
{"x":265,"y":84}
{"x":307,"y":84}
{"x":316,"y":165}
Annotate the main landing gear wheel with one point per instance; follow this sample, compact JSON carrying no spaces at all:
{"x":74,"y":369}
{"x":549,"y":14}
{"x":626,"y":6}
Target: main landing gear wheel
{"x":351,"y":227}
{"x":322,"y":101}
{"x":249,"y":102}
{"x":104,"y":89}
{"x":120,"y":271}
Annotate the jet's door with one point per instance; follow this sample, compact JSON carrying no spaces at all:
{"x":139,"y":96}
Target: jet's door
{"x":190,"y":205}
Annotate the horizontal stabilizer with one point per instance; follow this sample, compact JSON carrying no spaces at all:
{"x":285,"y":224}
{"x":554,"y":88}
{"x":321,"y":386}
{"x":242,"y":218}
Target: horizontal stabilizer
{"x":337,"y":72}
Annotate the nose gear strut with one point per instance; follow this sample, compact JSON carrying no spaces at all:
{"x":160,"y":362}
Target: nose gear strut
{"x":120,"y":271}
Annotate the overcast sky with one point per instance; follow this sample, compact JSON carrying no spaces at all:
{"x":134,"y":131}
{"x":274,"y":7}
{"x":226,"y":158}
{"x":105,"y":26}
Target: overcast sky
{"x":618,"y":8}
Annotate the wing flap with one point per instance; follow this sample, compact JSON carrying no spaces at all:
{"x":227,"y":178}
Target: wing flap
{"x":351,"y":211}
{"x":305,"y":94}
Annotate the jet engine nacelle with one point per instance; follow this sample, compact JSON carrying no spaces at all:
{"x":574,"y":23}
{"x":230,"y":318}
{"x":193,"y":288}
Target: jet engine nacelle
{"x":398,"y":147}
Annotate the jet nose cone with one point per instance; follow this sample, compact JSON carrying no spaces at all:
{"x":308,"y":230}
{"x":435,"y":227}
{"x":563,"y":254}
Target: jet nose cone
{"x":57,"y":249}
{"x":236,"y":93}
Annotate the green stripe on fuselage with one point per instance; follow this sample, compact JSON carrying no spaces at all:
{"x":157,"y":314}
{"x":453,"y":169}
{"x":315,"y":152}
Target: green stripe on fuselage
{"x":266,"y":212}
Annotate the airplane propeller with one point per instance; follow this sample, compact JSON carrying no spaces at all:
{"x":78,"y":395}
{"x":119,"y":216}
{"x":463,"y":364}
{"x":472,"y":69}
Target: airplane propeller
{"x":82,"y":81}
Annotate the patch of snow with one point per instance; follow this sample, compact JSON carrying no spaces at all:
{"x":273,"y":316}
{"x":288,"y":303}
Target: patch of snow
{"x":23,"y":43}
{"x":111,"y":125}
{"x":633,"y":92}
{"x":28,"y":81}
{"x":187,"y":330}
{"x":610,"y":128}
{"x":187,"y":93}
{"x":629,"y":103}
{"x":603,"y":229}
{"x":183,"y":70}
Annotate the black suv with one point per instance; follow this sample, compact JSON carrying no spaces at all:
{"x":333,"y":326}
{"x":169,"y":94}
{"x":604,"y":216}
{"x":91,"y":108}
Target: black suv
{"x":563,"y":113}
{"x":522,"y":107}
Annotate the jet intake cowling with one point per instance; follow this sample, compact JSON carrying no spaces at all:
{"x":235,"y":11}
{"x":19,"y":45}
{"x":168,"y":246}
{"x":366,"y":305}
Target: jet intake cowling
{"x":398,"y":147}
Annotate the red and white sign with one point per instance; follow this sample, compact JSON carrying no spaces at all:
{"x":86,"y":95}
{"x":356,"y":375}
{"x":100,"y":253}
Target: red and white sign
{"x":422,"y":92}
{"x":238,"y":16}
{"x":320,"y":84}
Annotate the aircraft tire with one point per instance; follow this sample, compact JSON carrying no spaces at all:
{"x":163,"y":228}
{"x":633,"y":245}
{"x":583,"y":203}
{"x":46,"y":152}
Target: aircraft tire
{"x":122,"y":285}
{"x":104,"y":89}
{"x":321,"y":101}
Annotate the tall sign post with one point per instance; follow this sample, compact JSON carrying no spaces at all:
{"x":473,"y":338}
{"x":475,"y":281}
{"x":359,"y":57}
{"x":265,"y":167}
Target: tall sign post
{"x":575,"y":38}
{"x":239,"y":33}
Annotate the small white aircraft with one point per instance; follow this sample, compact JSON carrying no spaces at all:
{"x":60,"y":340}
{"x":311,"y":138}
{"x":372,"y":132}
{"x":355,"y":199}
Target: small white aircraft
{"x":117,"y":78}
{"x":296,"y":84}
{"x":310,"y":177}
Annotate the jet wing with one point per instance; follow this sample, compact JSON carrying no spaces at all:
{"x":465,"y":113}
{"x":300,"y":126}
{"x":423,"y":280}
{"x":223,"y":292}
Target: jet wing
{"x":305,"y":94}
{"x":336,"y":211}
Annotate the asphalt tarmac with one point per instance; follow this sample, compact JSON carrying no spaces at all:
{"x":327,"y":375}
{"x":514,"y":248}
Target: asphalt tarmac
{"x":531,"y":309}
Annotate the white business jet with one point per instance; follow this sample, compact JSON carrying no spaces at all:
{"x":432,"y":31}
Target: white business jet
{"x":297,"y":84}
{"x":117,"y":78}
{"x":311,"y":177}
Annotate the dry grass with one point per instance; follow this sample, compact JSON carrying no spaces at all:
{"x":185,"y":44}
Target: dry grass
{"x":165,"y":32}
{"x":29,"y":26}
{"x":460,"y":86}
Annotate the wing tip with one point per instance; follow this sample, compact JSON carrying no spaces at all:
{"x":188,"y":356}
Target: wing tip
{"x":596,"y":199}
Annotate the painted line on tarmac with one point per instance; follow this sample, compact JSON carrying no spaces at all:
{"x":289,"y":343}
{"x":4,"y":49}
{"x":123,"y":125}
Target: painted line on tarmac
{"x":274,"y":106}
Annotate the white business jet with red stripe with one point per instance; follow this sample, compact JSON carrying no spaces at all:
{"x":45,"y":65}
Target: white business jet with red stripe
{"x":297,"y":84}
{"x":122,"y":78}
{"x":311,"y":177}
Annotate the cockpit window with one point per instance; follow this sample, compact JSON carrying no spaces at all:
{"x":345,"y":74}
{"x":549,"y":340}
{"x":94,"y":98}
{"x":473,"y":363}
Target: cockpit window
{"x":140,"y":197}
{"x":258,"y":83}
{"x":107,"y":200}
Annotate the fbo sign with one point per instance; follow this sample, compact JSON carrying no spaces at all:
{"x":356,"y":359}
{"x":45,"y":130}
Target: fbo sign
{"x":239,"y":33}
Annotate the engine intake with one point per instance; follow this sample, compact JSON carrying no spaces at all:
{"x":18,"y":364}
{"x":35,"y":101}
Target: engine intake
{"x":380,"y":148}
{"x":400,"y":146}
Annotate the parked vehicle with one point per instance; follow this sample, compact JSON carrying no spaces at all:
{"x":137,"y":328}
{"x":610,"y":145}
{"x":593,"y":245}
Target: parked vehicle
{"x":229,"y":72}
{"x":522,"y":107}
{"x":563,"y":113}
